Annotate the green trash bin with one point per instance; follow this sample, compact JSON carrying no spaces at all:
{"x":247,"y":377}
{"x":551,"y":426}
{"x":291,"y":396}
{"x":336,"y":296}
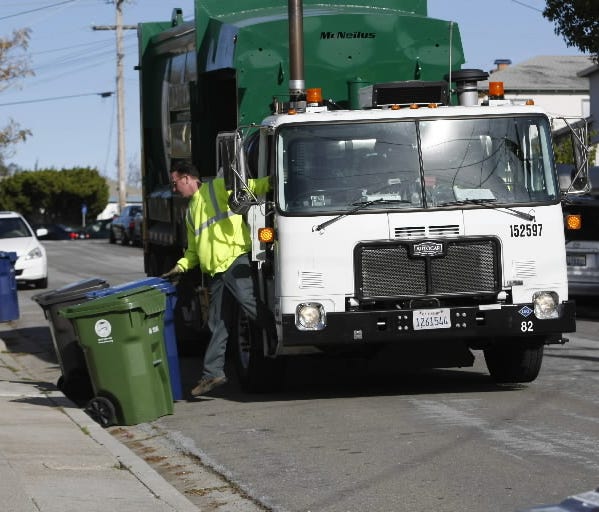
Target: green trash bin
{"x":123,"y":342}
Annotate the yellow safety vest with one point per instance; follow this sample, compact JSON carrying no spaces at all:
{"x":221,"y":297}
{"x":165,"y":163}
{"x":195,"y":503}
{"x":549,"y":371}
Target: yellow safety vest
{"x":215,"y":235}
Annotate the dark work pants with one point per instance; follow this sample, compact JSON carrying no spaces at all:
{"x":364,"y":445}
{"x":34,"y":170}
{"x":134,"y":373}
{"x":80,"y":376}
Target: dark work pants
{"x":238,"y":281}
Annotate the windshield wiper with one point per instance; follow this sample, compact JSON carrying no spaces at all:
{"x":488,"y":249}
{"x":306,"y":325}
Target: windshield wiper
{"x":485,"y":203}
{"x":357,"y":207}
{"x":381,"y":200}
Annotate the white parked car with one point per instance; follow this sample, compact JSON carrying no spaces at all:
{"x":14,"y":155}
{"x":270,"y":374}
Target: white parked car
{"x":16,"y":235}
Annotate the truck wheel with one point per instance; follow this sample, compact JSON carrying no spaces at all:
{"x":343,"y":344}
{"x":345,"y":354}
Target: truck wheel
{"x":256,"y":372}
{"x":514,"y":363}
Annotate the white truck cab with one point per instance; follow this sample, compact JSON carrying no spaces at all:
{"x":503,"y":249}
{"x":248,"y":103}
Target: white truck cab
{"x":419,"y":225}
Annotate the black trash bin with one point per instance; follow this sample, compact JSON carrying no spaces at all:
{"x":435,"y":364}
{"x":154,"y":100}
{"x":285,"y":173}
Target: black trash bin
{"x":75,"y":380}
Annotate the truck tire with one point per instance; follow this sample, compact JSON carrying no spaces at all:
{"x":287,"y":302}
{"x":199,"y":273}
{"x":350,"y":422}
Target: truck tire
{"x":256,"y":372}
{"x":513,"y":363}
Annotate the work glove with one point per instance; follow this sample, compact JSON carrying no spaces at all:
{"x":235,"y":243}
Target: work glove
{"x":173,"y":274}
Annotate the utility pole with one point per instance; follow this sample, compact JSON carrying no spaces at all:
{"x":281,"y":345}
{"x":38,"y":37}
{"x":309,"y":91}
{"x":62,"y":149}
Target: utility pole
{"x":120,"y":98}
{"x":120,"y":105}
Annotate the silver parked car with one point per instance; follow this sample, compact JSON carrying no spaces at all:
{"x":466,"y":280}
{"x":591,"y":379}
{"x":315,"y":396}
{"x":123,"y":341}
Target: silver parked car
{"x":125,"y":228}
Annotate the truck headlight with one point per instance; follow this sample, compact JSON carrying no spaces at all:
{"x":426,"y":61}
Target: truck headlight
{"x":310,"y":316}
{"x":545,"y":304}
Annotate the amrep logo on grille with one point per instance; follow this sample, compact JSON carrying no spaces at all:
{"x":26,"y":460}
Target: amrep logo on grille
{"x":427,"y":249}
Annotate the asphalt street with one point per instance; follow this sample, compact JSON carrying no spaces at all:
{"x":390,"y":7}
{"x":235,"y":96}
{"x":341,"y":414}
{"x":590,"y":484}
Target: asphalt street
{"x":347,"y":434}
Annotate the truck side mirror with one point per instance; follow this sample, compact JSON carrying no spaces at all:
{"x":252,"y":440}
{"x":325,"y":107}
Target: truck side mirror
{"x":580,"y":183}
{"x":231,"y":165}
{"x":226,"y":158}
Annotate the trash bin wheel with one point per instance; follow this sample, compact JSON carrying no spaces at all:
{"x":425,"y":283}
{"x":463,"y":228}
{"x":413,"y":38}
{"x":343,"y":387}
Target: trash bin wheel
{"x":102,"y":411}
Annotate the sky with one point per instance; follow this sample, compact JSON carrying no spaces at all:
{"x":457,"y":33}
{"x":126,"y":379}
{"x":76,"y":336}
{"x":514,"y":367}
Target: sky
{"x":73,"y":126}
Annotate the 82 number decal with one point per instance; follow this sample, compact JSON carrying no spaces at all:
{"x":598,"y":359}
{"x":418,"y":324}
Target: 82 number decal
{"x":527,"y":326}
{"x":525,"y":230}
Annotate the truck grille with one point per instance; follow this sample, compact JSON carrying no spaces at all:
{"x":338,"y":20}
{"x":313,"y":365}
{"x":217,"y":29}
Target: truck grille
{"x":389,"y":269}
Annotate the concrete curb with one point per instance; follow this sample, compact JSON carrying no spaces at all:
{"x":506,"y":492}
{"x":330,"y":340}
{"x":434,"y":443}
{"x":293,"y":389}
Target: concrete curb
{"x":123,"y":456}
{"x":129,"y":460}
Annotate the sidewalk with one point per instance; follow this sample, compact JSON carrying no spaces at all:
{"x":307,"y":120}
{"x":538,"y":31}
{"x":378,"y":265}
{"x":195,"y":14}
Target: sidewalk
{"x":55,"y":458}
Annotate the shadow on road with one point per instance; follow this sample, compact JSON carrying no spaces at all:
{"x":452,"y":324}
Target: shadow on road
{"x":36,"y":341}
{"x":587,"y":308}
{"x":388,"y":372}
{"x":323,"y":377}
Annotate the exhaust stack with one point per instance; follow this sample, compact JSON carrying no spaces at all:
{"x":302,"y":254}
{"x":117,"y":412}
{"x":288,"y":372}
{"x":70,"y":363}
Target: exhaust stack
{"x":297,"y":84}
{"x":466,"y":85}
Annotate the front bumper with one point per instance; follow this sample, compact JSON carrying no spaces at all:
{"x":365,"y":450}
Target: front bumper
{"x":32,"y":270}
{"x":477,"y":326}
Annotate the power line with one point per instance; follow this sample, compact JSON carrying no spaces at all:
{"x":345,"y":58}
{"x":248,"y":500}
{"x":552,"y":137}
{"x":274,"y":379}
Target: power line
{"x":99,"y":44}
{"x":105,"y":94}
{"x":59,"y":68}
{"x":73,"y":59}
{"x":527,"y":5}
{"x":37,"y":9}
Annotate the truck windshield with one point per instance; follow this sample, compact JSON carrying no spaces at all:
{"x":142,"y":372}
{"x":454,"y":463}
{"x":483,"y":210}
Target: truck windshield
{"x":416,"y":163}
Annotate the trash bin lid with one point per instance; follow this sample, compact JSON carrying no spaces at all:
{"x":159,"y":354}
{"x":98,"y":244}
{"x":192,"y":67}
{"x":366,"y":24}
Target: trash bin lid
{"x":70,"y":292}
{"x":8,"y":255}
{"x":157,"y":282}
{"x":147,"y":298}
{"x":164,"y":286}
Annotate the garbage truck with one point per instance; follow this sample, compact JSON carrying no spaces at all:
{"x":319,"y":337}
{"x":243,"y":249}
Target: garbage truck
{"x":405,"y":212}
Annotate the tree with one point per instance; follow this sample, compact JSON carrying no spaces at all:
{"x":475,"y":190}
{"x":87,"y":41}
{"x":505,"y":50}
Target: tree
{"x":564,"y":154}
{"x":51,"y":196}
{"x":577,"y":21}
{"x":14,"y":65}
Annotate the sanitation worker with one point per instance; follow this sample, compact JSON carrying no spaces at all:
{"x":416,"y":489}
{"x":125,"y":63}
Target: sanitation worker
{"x":218,"y":240}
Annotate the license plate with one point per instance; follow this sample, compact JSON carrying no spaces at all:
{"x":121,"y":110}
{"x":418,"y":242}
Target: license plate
{"x":576,"y":260}
{"x":431,"y":319}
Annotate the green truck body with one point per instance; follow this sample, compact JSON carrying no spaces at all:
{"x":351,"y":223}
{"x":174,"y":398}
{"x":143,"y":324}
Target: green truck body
{"x":225,"y":68}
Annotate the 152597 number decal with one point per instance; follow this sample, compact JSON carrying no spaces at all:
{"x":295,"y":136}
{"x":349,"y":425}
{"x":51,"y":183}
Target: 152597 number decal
{"x":524,"y":230}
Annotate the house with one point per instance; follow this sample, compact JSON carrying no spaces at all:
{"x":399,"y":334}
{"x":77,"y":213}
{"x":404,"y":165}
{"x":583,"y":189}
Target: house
{"x":592,"y":73}
{"x":561,"y":85}
{"x":553,"y":82}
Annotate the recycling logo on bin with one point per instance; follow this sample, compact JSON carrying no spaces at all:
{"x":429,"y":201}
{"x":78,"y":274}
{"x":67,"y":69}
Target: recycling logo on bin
{"x":103,"y":330}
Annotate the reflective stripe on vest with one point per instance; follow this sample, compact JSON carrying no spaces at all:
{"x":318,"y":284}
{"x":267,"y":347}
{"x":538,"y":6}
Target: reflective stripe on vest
{"x":219,"y":215}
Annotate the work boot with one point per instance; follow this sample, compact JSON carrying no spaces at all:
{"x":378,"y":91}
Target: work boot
{"x":206,"y":384}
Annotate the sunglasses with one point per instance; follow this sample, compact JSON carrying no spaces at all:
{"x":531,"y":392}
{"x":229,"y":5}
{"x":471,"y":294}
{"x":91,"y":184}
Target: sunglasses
{"x":175,"y":180}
